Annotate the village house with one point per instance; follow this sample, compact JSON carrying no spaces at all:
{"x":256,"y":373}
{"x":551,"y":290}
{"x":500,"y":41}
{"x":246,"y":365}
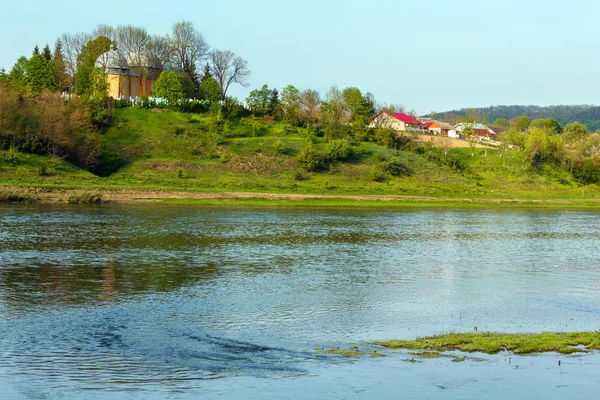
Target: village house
{"x":126,"y":81}
{"x":480,"y":130}
{"x":440,"y":128}
{"x":397,"y":122}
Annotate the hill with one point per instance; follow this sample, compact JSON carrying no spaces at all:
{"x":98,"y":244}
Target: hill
{"x":175,"y":151}
{"x":588,"y":115}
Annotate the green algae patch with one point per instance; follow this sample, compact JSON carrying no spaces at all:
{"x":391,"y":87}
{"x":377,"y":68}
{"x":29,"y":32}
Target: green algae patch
{"x":352,"y":353}
{"x":492,"y":343}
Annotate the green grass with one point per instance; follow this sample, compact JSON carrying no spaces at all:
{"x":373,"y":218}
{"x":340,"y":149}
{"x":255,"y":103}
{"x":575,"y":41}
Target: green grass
{"x":351,"y":353}
{"x":491,"y":343}
{"x":156,"y":146}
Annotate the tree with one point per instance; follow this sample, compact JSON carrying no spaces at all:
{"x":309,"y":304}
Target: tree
{"x":290,"y":103}
{"x":361,"y":108}
{"x":575,"y":131}
{"x":58,"y":63}
{"x":133,"y":47}
{"x":171,"y":87}
{"x":47,"y":53}
{"x":72,"y":45}
{"x":258,"y":100}
{"x":310,"y":104}
{"x":501,"y":122}
{"x":522,"y":123}
{"x":206,"y":74}
{"x":36,"y":50}
{"x":159,"y":52}
{"x":190,"y":48}
{"x":550,"y":125}
{"x":227,"y":68}
{"x":16,"y":76}
{"x":210,"y":90}
{"x":86,"y":79}
{"x":39,"y":74}
{"x":334,"y":112}
{"x":274,"y":106}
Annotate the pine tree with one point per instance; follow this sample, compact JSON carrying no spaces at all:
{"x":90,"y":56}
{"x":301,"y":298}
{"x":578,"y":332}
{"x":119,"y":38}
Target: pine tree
{"x":207,"y":73}
{"x":59,"y":66}
{"x":47,"y":53}
{"x":36,"y":50}
{"x":274,"y":106}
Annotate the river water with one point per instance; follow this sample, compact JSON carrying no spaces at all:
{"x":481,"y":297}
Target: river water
{"x":184,"y":302}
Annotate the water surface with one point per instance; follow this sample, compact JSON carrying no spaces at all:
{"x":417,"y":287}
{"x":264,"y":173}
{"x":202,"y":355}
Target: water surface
{"x":177,"y":302}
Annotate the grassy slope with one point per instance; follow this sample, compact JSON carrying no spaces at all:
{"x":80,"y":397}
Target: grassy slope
{"x":158,"y":145}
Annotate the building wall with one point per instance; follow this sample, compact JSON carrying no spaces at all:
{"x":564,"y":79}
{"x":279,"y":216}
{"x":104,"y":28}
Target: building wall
{"x":126,"y":86}
{"x":386,"y":121}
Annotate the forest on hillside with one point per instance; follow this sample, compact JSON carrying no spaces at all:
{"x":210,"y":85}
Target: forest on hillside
{"x":588,"y":115}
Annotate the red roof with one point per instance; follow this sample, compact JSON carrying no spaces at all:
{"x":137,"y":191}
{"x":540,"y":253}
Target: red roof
{"x":407,"y":119}
{"x":428,"y":124}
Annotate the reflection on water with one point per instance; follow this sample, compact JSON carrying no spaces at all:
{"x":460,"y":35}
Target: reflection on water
{"x":167,"y":299}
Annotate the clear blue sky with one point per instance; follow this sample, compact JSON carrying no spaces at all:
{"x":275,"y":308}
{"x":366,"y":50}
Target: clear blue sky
{"x":427,"y":55}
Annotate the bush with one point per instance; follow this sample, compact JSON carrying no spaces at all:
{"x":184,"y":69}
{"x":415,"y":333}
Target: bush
{"x":279,"y":147}
{"x":588,"y":172}
{"x":386,"y":137}
{"x":339,"y":150}
{"x":299,"y":176}
{"x":395,"y":167}
{"x":84,"y":198}
{"x":378,"y":174}
{"x":12,"y":155}
{"x":310,"y":159}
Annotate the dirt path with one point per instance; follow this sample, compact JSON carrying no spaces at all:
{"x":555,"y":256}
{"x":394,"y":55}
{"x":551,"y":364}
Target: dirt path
{"x":152,"y":196}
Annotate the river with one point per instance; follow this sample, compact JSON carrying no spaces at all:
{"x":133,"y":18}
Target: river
{"x":182,"y":302}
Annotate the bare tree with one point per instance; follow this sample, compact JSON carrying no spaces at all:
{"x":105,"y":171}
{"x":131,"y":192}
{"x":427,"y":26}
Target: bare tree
{"x":190,"y":48}
{"x":227,"y":68}
{"x":72,"y":43}
{"x":160,"y":52}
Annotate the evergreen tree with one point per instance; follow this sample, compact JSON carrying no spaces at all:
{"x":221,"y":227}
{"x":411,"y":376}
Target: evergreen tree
{"x":39,"y":74}
{"x":47,"y":53}
{"x":36,"y":50}
{"x":274,"y":107}
{"x":207,"y":73}
{"x":59,"y":66}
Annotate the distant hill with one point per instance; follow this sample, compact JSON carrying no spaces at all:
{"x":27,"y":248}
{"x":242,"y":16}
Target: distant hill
{"x":586,"y":114}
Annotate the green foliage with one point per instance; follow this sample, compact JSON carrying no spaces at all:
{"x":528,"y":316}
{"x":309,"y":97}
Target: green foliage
{"x":279,"y":147}
{"x":541,"y":147}
{"x":40,"y":74}
{"x":290,"y":104}
{"x":377,"y":173}
{"x":310,"y":158}
{"x":589,"y":171}
{"x":550,"y":125}
{"x":575,"y":131}
{"x":522,"y":123}
{"x":395,"y":167}
{"x":87,"y":80}
{"x":386,"y":137}
{"x":339,"y":150}
{"x":258,"y":100}
{"x":361,"y":108}
{"x":171,"y":87}
{"x":210,"y":90}
{"x":12,"y":155}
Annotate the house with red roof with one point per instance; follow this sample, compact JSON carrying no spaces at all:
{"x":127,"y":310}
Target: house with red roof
{"x":396,"y":121}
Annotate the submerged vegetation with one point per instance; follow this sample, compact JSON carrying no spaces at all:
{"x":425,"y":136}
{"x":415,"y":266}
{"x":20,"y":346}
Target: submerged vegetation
{"x":491,"y":343}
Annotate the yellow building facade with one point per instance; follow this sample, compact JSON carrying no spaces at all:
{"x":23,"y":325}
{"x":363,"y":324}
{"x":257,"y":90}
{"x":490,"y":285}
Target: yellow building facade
{"x":126,"y":81}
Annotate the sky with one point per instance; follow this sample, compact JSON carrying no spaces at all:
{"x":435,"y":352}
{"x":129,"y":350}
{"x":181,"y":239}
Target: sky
{"x":434,"y":55}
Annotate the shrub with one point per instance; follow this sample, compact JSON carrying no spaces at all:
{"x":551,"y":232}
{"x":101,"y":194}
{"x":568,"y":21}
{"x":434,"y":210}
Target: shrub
{"x":12,"y":155}
{"x":310,"y":159}
{"x":85,"y":198}
{"x":279,"y":147}
{"x":43,"y":169}
{"x":378,"y":174}
{"x":180,"y":173}
{"x":588,"y":172}
{"x":299,"y":176}
{"x":339,"y":150}
{"x":395,"y":167}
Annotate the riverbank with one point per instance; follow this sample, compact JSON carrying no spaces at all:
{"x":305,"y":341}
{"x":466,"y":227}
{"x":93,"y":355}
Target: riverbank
{"x":256,"y":199}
